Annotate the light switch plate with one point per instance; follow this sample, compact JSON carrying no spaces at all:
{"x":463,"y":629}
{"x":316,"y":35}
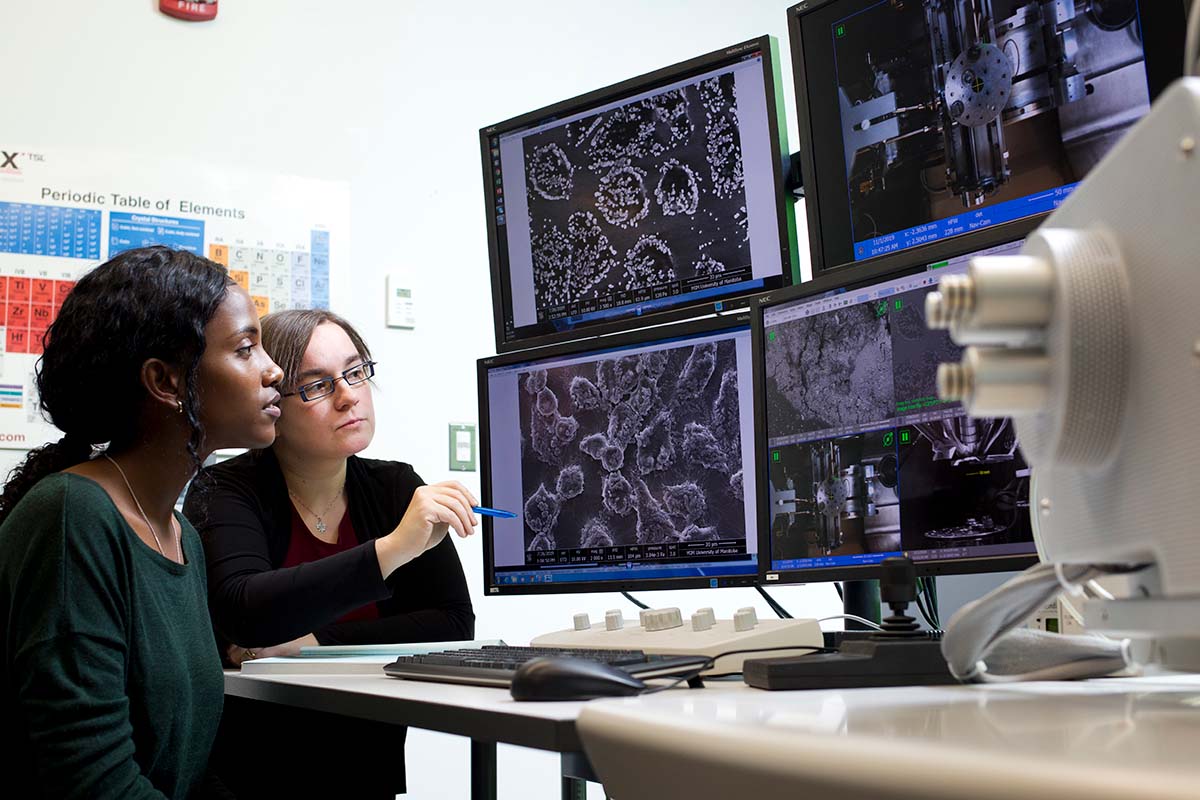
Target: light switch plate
{"x":462,"y":447}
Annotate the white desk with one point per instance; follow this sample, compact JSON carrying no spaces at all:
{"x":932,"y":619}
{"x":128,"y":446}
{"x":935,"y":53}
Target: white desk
{"x":486,"y":716}
{"x":1113,"y":739}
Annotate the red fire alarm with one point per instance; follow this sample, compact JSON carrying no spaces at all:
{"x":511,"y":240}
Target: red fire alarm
{"x":191,"y":10}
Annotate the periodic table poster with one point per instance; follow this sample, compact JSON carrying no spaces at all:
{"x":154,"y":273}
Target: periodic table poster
{"x":63,"y":212}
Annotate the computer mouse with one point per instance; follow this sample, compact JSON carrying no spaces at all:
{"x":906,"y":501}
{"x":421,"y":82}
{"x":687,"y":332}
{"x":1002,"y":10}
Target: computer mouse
{"x":561,"y":678}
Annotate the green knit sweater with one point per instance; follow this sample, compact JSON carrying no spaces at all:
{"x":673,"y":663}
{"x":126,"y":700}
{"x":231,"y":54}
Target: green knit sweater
{"x":110,"y":684}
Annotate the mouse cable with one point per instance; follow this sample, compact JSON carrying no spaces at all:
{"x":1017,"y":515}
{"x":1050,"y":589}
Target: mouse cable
{"x":712,"y":660}
{"x":634,"y":600}
{"x":779,"y":610}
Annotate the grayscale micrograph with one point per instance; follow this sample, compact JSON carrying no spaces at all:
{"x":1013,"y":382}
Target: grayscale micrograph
{"x":829,"y":370}
{"x":638,"y":196}
{"x":917,"y":353}
{"x":636,"y":449}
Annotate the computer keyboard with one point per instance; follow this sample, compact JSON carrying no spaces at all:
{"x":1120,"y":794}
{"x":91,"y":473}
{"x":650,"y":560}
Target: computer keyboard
{"x":494,"y":665}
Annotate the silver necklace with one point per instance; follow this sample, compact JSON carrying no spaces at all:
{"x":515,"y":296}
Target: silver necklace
{"x":145,"y":519}
{"x":321,"y":526}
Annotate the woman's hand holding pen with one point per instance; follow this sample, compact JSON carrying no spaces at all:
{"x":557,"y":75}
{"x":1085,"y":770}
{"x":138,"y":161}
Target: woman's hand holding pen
{"x":434,"y":510}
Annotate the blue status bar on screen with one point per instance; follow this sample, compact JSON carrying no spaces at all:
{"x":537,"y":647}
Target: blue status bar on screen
{"x":858,"y":559}
{"x":723,"y":569}
{"x":967,"y":222}
{"x":649,"y":306}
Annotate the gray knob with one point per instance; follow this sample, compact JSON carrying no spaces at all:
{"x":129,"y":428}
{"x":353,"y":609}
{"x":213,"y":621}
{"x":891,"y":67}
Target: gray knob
{"x":642,"y":616}
{"x":703,"y":619}
{"x":582,"y":623}
{"x":663,"y":619}
{"x":744,"y":619}
{"x":751,"y":611}
{"x":613,"y":620}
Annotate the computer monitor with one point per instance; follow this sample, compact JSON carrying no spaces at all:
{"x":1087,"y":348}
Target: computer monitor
{"x":654,"y":196}
{"x":924,"y":121}
{"x":628,"y":460}
{"x":861,"y":460}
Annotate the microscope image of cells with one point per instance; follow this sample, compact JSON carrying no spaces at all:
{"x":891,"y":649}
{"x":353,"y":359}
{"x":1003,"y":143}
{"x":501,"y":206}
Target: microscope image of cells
{"x":652,"y":363}
{"x":570,"y":483}
{"x":735,"y":484}
{"x":584,"y":394}
{"x":725,"y":157}
{"x":685,"y":500}
{"x":624,"y":134}
{"x":618,"y":494}
{"x":678,"y":189}
{"x":726,"y":424}
{"x":594,"y":444}
{"x":550,"y":172}
{"x":668,"y":166}
{"x":547,"y":402}
{"x":541,"y":510}
{"x":695,"y":533}
{"x":612,"y":458}
{"x":656,"y":444}
{"x":645,"y":395}
{"x":543,"y":439}
{"x":543,"y":541}
{"x":708,"y":266}
{"x":653,"y":524}
{"x":718,"y":94}
{"x":655,"y":433}
{"x":701,"y":447}
{"x":829,"y":370}
{"x":565,"y":429}
{"x":697,"y":371}
{"x":595,"y":534}
{"x":648,"y":263}
{"x":623,"y":423}
{"x":622,"y":199}
{"x":535,"y":381}
{"x":568,"y":265}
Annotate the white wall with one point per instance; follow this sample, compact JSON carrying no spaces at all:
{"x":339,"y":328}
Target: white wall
{"x":390,"y":96}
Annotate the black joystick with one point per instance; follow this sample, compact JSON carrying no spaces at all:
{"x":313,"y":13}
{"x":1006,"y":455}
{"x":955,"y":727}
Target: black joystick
{"x":899,"y":655}
{"x":898,"y":588}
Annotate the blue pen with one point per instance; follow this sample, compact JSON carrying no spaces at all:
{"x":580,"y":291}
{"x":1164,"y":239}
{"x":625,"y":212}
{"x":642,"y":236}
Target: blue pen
{"x":493,"y":512}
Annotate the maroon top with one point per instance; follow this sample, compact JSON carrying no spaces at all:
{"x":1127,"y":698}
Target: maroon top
{"x":304,"y":548}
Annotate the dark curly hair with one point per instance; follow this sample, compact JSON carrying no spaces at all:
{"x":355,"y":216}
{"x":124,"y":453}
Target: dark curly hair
{"x":153,"y":302}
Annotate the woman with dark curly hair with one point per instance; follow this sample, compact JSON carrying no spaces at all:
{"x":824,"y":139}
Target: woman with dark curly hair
{"x":110,"y":684}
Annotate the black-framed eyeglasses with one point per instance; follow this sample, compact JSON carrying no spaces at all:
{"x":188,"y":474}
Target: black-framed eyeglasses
{"x":324,"y":387}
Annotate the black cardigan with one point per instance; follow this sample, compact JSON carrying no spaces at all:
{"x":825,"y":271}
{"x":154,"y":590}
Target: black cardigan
{"x":243,"y":513}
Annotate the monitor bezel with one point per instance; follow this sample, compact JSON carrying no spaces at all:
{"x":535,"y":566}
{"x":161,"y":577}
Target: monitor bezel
{"x":491,"y":587}
{"x":848,"y":278}
{"x":1163,"y":37}
{"x":784,"y":206}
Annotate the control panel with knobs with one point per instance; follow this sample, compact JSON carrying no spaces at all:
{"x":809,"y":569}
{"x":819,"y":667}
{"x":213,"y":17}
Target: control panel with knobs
{"x":663,"y":631}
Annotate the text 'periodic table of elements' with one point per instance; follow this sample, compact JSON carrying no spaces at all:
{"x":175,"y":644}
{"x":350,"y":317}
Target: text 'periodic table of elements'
{"x":62,"y":213}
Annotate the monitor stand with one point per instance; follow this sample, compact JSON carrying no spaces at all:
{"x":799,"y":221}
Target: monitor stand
{"x":899,"y":655}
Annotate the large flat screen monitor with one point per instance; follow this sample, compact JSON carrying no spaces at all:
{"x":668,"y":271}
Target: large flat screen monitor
{"x":926,"y":120}
{"x":650,"y":197}
{"x":861,"y":460}
{"x":629,"y":462}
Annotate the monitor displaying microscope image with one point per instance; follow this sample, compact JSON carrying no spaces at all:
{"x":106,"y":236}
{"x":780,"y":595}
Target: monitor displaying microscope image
{"x":863,"y":460}
{"x":626,"y":462}
{"x":923,"y":120}
{"x":641,"y":199}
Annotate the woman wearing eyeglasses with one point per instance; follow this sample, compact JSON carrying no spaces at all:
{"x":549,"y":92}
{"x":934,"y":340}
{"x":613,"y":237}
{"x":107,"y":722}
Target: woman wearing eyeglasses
{"x":307,"y":543}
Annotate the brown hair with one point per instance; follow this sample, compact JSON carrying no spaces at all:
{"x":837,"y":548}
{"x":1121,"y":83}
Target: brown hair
{"x":285,"y":337}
